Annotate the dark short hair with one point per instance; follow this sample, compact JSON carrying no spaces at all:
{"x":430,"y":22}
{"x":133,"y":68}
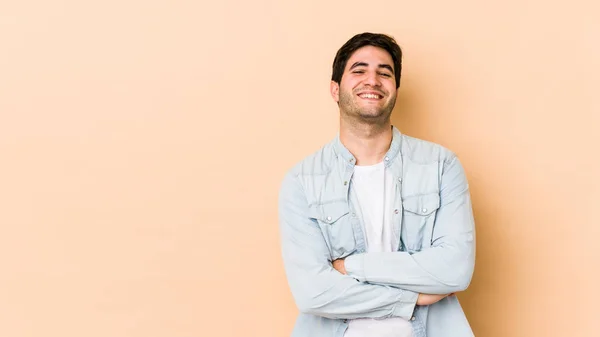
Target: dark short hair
{"x":358,"y":41}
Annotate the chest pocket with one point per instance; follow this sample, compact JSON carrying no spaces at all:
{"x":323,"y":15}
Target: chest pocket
{"x":334,"y":220}
{"x":418,"y":220}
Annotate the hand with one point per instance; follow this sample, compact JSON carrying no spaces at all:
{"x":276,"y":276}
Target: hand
{"x":339,"y":266}
{"x":429,"y":299}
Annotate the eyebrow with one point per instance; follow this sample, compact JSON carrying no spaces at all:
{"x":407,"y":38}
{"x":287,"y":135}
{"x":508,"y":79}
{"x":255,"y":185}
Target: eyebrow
{"x":364,"y":64}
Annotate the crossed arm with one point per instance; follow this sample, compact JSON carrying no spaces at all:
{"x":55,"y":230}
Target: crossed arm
{"x":422,"y":299}
{"x":377,"y":285}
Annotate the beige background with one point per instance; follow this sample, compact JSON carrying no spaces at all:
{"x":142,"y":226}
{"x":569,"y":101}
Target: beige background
{"x":142,"y":144}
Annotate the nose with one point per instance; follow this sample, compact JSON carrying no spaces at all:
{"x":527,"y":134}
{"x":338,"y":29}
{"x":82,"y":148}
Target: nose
{"x":372,"y":79}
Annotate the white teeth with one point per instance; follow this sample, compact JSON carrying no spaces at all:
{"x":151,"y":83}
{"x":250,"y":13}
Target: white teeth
{"x":370,"y":96}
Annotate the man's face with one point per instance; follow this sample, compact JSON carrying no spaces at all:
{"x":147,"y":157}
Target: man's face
{"x":367,"y":90}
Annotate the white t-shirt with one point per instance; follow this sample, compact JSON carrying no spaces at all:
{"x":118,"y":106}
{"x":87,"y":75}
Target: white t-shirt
{"x":374,"y":189}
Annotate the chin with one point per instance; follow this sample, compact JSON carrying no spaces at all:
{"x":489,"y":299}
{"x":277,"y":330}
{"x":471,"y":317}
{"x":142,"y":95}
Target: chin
{"x":371,"y":114}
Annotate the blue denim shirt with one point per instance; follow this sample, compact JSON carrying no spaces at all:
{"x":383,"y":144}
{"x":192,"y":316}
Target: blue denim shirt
{"x":320,"y":222}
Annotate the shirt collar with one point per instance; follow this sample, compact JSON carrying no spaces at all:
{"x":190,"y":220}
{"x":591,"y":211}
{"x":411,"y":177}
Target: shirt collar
{"x":344,"y":154}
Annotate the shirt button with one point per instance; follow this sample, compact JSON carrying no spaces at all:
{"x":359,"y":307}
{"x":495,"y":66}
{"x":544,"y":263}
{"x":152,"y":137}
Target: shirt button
{"x":387,"y":158}
{"x":424,"y":210}
{"x":345,"y":321}
{"x":328,"y":218}
{"x":345,"y":183}
{"x":412,"y":318}
{"x":399,"y":179}
{"x":396,"y":211}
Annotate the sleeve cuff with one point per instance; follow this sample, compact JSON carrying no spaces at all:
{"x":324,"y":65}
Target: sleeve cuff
{"x":354,"y":265}
{"x":406,"y":306}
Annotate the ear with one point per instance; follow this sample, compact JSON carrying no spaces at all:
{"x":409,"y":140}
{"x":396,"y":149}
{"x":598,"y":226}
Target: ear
{"x":334,"y":88}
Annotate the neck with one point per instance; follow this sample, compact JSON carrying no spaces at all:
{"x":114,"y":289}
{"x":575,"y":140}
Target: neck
{"x":368,"y":143}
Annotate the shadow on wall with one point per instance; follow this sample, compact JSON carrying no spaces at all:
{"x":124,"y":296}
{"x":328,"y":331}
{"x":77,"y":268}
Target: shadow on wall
{"x":490,"y":288}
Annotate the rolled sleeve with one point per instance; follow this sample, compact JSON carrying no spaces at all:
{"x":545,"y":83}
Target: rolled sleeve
{"x":408,"y":301}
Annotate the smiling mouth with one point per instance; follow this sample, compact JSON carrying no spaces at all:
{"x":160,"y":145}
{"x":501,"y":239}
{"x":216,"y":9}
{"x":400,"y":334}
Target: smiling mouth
{"x":370,"y":96}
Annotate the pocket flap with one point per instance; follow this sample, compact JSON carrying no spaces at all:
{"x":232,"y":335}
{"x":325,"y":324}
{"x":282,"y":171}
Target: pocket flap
{"x":422,"y":204}
{"x":330,"y":212}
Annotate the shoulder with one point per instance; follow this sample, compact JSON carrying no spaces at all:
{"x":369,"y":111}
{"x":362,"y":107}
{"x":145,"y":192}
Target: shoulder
{"x":421,"y":151}
{"x":320,"y":162}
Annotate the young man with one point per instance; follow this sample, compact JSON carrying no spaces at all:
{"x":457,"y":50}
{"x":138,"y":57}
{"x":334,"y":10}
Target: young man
{"x":377,"y":230}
